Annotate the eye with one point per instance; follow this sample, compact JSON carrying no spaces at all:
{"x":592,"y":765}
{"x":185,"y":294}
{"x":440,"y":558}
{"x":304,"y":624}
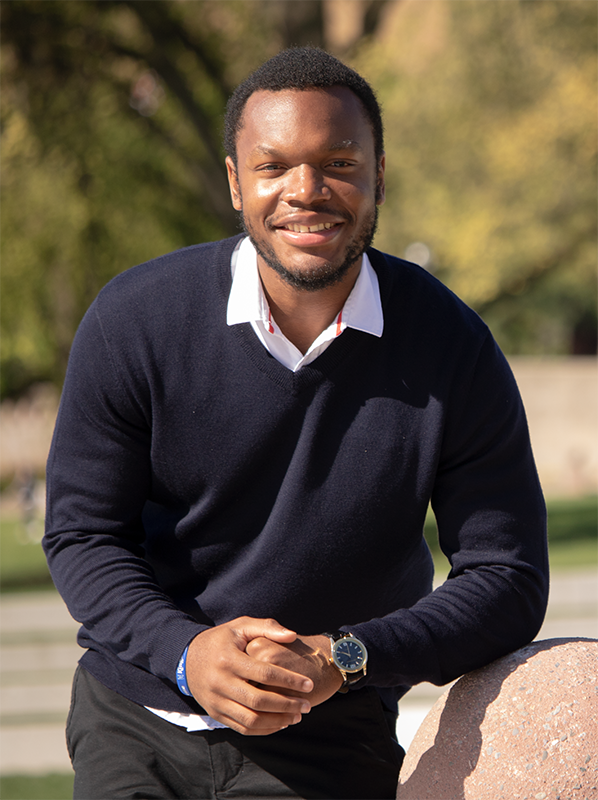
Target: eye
{"x":339,"y":163}
{"x":270,"y":168}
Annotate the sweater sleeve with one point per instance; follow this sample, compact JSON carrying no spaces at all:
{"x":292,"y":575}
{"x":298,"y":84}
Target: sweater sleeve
{"x":98,"y":481}
{"x":492,"y":527}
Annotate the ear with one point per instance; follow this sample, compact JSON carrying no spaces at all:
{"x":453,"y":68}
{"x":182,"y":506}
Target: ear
{"x":233,"y":182}
{"x":380,"y":182}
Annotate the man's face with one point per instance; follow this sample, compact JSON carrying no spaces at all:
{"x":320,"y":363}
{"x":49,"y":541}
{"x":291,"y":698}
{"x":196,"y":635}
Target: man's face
{"x":307,"y":182}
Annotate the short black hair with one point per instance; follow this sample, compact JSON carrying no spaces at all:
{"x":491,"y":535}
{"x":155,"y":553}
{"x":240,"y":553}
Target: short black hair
{"x":301,"y":68}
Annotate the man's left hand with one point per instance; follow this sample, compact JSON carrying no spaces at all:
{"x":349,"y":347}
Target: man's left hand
{"x":307,"y":655}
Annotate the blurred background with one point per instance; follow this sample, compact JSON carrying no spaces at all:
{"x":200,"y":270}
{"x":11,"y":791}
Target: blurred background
{"x":111,"y":125}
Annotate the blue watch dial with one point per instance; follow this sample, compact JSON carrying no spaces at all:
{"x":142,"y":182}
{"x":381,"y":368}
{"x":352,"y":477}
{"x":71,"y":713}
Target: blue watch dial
{"x":349,"y":654}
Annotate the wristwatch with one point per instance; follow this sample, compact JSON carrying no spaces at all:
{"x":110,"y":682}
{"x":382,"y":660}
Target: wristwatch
{"x":349,"y":656}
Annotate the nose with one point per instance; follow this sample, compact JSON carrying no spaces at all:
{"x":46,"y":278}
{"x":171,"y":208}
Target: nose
{"x":305,"y":185}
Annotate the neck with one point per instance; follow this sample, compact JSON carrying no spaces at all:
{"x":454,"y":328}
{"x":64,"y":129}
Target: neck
{"x":302,"y":315}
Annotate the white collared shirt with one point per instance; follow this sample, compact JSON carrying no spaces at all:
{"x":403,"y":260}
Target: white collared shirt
{"x":247,"y":303}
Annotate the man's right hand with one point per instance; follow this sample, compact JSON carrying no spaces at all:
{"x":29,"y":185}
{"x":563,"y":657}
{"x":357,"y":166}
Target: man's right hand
{"x":224,"y":679}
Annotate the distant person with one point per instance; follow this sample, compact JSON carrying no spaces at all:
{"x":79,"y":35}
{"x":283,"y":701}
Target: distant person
{"x":249,"y":436}
{"x":30,"y":494}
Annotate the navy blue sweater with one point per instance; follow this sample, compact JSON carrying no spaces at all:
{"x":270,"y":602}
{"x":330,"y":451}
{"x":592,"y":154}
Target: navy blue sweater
{"x":194,"y":479}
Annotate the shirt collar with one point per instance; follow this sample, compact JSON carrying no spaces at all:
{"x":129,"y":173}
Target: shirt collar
{"x":247,"y":301}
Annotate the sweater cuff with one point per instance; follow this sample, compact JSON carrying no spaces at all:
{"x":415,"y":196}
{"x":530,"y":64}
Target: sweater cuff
{"x":169,"y":643}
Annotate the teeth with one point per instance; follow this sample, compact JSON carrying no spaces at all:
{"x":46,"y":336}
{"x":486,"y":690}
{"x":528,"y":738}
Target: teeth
{"x":310,"y":228}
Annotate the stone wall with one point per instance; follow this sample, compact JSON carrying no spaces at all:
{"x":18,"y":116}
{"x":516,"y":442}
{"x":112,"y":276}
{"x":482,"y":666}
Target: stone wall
{"x":26,"y":427}
{"x":561,"y":401}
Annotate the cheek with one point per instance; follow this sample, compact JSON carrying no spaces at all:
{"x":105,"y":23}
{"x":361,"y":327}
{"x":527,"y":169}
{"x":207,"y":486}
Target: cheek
{"x":266,"y":195}
{"x":356,"y":196}
{"x":258,"y":194}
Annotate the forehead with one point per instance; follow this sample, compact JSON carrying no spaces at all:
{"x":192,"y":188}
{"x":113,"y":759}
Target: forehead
{"x":297,"y":119}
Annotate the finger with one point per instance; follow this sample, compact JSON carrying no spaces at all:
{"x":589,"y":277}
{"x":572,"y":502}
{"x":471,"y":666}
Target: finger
{"x":262,"y":647}
{"x":235,"y":710}
{"x":250,"y":628}
{"x":267,"y":674}
{"x":238,"y":665}
{"x":256,"y":685}
{"x":254,"y":695}
{"x":251,"y":713}
{"x":255,"y":710}
{"x":263,"y":698}
{"x":254,"y":724}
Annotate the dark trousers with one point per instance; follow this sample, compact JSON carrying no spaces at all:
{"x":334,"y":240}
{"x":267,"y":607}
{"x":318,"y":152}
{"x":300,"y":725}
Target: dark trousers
{"x":343,"y":748}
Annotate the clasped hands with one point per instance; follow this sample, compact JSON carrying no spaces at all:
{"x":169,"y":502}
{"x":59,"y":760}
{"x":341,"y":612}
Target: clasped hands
{"x":258,"y":677}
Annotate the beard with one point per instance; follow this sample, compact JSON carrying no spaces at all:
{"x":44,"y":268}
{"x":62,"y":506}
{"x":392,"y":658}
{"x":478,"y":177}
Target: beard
{"x":316,"y":278}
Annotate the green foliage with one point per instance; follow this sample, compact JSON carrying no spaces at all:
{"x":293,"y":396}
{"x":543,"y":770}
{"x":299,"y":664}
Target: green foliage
{"x":111,"y":136}
{"x":67,"y":231}
{"x":491,"y":118}
{"x":111,"y":124}
{"x":111,"y":156}
{"x":36,"y":787}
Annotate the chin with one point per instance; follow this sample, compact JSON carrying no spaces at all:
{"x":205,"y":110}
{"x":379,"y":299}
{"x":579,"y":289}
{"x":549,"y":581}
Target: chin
{"x":308,"y":278}
{"x":320,"y":276}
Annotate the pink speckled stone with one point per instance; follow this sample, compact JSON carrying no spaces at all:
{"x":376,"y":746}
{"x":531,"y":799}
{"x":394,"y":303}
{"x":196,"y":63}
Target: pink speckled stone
{"x":523,"y":728}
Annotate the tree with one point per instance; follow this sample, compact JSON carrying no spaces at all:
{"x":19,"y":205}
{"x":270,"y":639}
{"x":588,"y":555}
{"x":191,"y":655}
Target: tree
{"x":111,"y":125}
{"x":111,"y":155}
{"x":101,"y":170}
{"x":491,"y":118}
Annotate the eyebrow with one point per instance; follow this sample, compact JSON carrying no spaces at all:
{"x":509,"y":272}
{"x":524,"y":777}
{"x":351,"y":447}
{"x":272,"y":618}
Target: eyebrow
{"x":346,"y":144}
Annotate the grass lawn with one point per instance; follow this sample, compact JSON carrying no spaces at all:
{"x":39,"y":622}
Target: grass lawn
{"x":36,"y":787}
{"x":22,"y":560}
{"x":572,"y":535}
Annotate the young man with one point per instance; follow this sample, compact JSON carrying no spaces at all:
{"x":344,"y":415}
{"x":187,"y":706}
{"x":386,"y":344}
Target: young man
{"x":249,"y":436}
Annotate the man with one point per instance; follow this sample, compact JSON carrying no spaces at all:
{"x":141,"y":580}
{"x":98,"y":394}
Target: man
{"x":249,"y":436}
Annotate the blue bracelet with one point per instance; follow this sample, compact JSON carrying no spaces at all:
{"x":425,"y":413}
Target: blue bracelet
{"x":181,"y":674}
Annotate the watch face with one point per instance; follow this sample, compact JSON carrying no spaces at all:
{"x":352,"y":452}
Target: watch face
{"x":349,"y":654}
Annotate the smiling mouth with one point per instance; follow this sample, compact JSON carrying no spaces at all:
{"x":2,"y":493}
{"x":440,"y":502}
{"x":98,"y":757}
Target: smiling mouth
{"x":323,"y":226}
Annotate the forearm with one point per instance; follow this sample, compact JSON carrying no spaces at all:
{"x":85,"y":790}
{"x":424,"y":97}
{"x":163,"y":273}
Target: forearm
{"x":492,"y":528}
{"x":466,"y":623}
{"x":99,"y":478}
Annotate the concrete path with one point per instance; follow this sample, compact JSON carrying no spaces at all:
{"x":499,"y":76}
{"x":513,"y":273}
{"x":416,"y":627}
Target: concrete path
{"x":38,"y":657}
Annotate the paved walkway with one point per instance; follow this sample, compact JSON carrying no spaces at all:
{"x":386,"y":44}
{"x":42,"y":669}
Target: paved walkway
{"x":39,"y":655}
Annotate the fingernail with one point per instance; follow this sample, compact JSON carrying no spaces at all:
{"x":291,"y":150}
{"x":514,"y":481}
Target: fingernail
{"x":297,"y":719}
{"x":307,"y":686}
{"x":305,"y":708}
